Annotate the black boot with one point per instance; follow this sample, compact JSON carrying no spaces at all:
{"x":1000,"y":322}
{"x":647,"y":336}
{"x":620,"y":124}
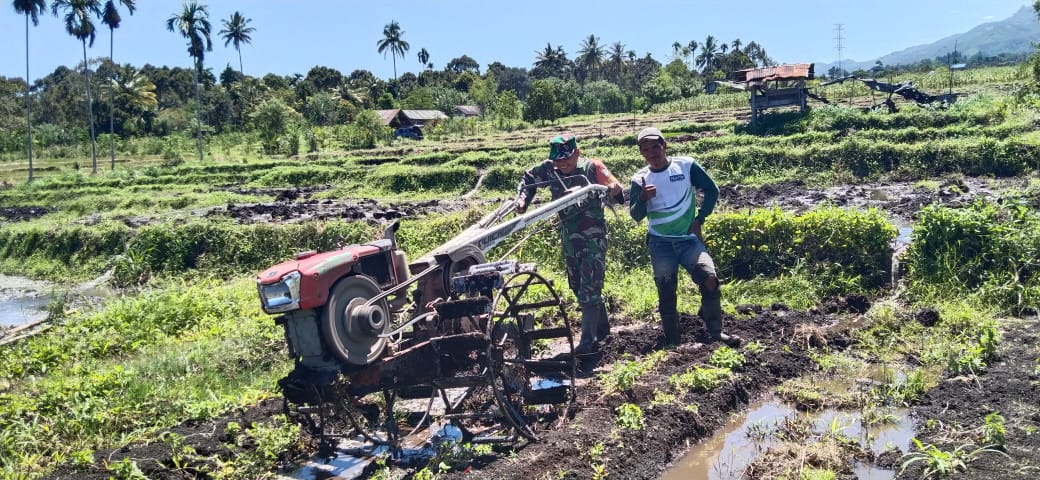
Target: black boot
{"x":711,"y":312}
{"x":670,"y":322}
{"x":589,"y":323}
{"x":603,"y":327}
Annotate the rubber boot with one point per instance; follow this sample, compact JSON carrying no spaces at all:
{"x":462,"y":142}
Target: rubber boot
{"x":589,"y":324}
{"x":711,"y":312}
{"x":603,"y":327}
{"x":670,"y":322}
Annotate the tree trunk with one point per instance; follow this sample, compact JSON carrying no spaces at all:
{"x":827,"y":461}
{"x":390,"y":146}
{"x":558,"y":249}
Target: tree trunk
{"x":198,"y":110}
{"x":90,"y":111}
{"x":111,"y":115}
{"x":28,"y":100}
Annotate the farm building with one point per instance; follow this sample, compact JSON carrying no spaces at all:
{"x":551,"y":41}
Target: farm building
{"x":398,"y":117}
{"x":771,"y":87}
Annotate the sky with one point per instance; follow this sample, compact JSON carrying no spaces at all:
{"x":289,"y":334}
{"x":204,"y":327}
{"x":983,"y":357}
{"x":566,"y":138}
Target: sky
{"x":292,"y":36}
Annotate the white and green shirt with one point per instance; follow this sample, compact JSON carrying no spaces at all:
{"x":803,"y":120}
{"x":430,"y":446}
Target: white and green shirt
{"x":674,"y":208}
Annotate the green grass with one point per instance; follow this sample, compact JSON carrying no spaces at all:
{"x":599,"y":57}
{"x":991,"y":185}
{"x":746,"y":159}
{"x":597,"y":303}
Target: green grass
{"x":154,"y":361}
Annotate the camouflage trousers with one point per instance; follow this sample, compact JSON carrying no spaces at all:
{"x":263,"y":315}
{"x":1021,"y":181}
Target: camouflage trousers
{"x":586,"y":259}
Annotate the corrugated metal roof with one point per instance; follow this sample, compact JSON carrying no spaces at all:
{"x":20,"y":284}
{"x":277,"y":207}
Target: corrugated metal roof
{"x":469,"y":110}
{"x":781,"y":72}
{"x":424,"y":114}
{"x":388,"y":116}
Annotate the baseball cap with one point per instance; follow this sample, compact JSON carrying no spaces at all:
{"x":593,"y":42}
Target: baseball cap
{"x":649,"y":133}
{"x":562,"y":146}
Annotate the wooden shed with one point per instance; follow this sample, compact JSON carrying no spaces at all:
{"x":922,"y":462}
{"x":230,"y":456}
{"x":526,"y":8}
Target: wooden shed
{"x":770,"y":87}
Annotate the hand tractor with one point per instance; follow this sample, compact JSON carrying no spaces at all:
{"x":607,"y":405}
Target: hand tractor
{"x":486,"y":347}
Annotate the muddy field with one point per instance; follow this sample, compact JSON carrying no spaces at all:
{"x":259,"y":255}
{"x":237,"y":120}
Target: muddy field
{"x":1010,"y":386}
{"x":786,"y":335}
{"x":901,"y":200}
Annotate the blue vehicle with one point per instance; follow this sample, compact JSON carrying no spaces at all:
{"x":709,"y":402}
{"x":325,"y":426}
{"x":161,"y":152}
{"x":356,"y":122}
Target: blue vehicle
{"x":412,"y":131}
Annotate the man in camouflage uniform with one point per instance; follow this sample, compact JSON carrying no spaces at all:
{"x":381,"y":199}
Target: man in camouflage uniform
{"x":583,"y":230}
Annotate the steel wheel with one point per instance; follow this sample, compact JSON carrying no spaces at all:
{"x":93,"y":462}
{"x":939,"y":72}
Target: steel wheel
{"x":531,"y":360}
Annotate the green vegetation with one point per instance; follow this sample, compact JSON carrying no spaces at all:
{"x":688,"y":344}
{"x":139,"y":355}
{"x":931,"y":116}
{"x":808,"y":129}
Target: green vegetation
{"x":939,"y":463}
{"x":186,"y":341}
{"x":144,"y":363}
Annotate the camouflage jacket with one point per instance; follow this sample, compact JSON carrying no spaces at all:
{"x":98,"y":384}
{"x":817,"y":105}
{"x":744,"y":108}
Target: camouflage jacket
{"x":587,"y":220}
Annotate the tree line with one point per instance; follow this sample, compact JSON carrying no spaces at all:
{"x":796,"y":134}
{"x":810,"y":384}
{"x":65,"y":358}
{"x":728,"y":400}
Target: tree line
{"x":149,"y":100}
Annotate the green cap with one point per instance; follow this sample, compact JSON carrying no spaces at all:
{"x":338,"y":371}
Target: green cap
{"x":562,"y":146}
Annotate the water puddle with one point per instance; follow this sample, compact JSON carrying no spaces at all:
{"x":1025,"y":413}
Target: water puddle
{"x":15,"y":311}
{"x":899,"y":247}
{"x":22,"y":300}
{"x":354,"y":456}
{"x":729,"y":452}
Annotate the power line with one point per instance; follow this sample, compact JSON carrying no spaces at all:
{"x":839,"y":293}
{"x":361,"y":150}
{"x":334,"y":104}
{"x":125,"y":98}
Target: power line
{"x":839,"y":44}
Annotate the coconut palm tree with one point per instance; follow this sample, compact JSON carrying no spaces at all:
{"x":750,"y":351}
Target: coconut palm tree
{"x":111,"y":18}
{"x":236,"y":30}
{"x":552,"y":61}
{"x":707,"y":58}
{"x":392,"y":41}
{"x":590,"y":57}
{"x":193,"y":24}
{"x":32,"y":10}
{"x":79,"y":24}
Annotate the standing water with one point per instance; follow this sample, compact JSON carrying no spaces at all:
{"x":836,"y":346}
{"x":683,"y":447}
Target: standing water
{"x":22,"y":301}
{"x":729,"y":452}
{"x":899,"y":247}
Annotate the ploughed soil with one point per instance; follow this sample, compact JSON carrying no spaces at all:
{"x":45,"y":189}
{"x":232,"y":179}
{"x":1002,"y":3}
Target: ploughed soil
{"x":1009,"y":386}
{"x":958,"y":405}
{"x":901,"y":200}
{"x":294,"y":205}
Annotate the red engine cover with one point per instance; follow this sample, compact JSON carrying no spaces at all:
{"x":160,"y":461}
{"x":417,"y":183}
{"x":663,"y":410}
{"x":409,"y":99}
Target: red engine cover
{"x":318,"y":272}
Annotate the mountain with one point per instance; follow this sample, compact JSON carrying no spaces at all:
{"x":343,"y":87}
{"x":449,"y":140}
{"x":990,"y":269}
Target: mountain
{"x":1015,"y":34}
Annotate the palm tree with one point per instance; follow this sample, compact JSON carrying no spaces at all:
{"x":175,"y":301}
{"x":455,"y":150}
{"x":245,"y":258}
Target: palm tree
{"x":616,"y":60}
{"x":111,"y":18}
{"x":135,"y":89}
{"x":546,"y":59}
{"x":32,"y":10}
{"x":424,"y":57}
{"x":392,"y":40}
{"x":691,"y":48}
{"x":78,"y":23}
{"x":709,"y":52}
{"x":590,"y":57}
{"x":552,"y":61}
{"x":236,"y":30}
{"x":736,"y":43}
{"x":193,"y":24}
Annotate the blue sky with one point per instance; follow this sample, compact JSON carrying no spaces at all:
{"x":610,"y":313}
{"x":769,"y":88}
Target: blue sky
{"x":294,"y":35}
